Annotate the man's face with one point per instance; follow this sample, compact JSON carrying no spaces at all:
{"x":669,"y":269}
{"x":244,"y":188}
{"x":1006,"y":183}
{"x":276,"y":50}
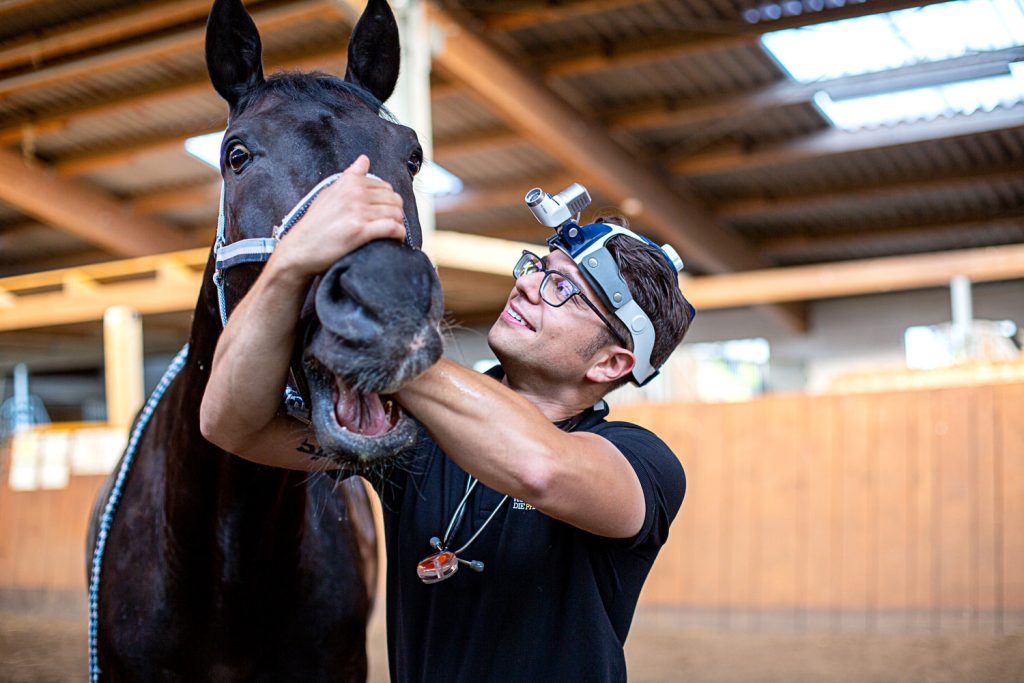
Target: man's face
{"x":533,"y":333}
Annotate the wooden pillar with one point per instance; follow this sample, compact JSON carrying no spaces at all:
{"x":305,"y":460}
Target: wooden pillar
{"x":122,"y":358}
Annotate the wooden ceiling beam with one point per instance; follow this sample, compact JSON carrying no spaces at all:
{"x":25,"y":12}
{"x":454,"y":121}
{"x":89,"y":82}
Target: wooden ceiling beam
{"x":474,"y":199}
{"x":117,"y":155}
{"x":858,"y":277}
{"x":550,"y":13}
{"x":50,"y":122}
{"x":87,"y":213}
{"x":719,"y":35}
{"x":107,"y":28}
{"x":184,"y":40}
{"x":476,"y":143}
{"x":834,"y":142}
{"x":847,"y":240}
{"x":23,"y":307}
{"x":891,"y":192}
{"x":783,"y":93}
{"x":205,"y":193}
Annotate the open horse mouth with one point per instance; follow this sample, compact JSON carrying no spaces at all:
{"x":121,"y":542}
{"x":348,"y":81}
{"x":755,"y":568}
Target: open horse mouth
{"x":354,"y":426}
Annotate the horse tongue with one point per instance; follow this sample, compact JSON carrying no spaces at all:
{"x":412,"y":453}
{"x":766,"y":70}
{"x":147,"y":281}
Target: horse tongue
{"x":360,"y":413}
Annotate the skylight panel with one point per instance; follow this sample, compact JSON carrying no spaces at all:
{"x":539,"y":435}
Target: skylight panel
{"x":965,"y":98}
{"x":894,"y":39}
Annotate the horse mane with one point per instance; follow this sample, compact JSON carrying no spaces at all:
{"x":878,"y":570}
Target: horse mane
{"x":317,"y":86}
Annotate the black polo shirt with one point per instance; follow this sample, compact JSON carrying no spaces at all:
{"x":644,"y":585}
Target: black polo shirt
{"x":553,"y":603}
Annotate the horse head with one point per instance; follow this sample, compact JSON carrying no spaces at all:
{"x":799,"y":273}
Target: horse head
{"x":370,"y":323}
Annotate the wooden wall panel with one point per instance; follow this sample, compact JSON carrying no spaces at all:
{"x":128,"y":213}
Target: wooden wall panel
{"x":857,"y":506}
{"x":1010,"y":437}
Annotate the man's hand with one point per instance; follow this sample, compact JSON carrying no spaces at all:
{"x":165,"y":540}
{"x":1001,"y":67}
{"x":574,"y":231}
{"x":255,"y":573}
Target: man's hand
{"x":352,"y":211}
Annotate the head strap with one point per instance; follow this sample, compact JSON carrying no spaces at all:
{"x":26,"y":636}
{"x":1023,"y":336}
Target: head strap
{"x":586,"y":246}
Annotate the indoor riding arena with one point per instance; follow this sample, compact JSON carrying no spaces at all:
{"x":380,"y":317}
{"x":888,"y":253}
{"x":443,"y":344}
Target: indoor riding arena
{"x":843,"y":179}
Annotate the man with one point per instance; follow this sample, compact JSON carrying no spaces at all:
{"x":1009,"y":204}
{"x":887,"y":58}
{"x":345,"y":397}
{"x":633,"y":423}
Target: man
{"x":562,"y":512}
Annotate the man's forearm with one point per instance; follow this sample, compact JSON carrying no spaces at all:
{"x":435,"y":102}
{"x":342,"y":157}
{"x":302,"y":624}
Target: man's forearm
{"x":458,"y":406}
{"x":250,"y":366}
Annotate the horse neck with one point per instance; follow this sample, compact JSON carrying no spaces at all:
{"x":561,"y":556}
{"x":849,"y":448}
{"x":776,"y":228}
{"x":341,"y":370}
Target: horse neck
{"x":198,"y":474}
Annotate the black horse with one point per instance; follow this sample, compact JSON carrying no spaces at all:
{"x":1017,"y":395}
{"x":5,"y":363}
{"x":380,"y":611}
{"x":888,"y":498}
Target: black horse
{"x":217,"y":569}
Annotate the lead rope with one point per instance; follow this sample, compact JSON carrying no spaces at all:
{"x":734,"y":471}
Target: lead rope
{"x":111,"y":507}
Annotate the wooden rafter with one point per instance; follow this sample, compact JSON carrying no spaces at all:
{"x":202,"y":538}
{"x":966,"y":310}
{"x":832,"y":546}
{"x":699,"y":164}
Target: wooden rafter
{"x":550,"y":13}
{"x":481,"y":198}
{"x":83,"y":293}
{"x":847,"y":241}
{"x":82,"y":211}
{"x":107,"y":28}
{"x":160,"y":94}
{"x":184,"y":40}
{"x":849,"y":278}
{"x":892,"y":192}
{"x":834,"y":142}
{"x":719,"y":36}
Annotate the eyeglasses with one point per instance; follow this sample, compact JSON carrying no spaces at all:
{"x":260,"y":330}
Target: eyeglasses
{"x":556,"y":288}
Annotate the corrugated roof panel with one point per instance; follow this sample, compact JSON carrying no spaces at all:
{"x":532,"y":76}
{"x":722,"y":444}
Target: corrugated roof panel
{"x":498,"y":166}
{"x":871,"y":246}
{"x":147,"y":171}
{"x":38,"y":16}
{"x":457,"y":114}
{"x":997,"y":149}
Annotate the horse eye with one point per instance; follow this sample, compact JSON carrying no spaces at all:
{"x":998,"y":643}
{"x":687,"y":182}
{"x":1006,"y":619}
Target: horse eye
{"x":415,"y":162}
{"x":238,"y":156}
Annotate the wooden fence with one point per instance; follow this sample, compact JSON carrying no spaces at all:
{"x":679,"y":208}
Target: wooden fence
{"x":848,"y":508}
{"x":854,"y":507}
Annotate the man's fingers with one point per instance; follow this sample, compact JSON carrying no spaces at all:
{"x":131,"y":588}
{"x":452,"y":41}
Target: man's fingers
{"x":385,"y":228}
{"x":360,"y":166}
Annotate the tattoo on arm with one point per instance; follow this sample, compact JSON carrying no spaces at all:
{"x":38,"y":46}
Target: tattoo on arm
{"x":312,"y":450}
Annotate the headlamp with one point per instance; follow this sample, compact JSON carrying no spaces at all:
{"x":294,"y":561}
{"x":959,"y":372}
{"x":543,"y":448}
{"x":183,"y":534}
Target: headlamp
{"x":585,"y":245}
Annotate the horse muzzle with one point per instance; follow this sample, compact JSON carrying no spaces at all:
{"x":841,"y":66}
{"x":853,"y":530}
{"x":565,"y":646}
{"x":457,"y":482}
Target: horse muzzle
{"x":377,"y":313}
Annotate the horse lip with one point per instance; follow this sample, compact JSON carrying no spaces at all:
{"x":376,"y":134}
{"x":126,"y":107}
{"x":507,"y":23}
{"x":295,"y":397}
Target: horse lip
{"x":343,"y":445}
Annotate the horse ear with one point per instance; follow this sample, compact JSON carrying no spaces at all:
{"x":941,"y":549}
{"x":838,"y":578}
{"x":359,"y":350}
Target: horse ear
{"x":234,"y":54}
{"x":373,"y":51}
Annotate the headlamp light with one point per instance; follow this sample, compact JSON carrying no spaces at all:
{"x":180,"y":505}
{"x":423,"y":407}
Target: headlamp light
{"x":585,"y":245}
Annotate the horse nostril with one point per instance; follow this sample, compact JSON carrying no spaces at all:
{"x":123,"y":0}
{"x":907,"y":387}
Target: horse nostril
{"x":343,"y":312}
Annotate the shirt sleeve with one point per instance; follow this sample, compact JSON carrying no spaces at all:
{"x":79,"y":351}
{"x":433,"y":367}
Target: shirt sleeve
{"x":660,"y":474}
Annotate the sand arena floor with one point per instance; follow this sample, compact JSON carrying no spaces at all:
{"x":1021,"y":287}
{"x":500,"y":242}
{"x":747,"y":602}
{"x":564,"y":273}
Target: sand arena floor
{"x":661,"y":648}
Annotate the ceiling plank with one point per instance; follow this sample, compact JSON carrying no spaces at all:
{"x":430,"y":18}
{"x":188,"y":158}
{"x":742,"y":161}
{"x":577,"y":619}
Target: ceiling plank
{"x":483,"y":198}
{"x":117,"y":155}
{"x":657,"y":113}
{"x":185,"y":40}
{"x":873,"y":237}
{"x":82,"y":211}
{"x":720,"y":35}
{"x":834,"y":142}
{"x":891,"y":192}
{"x":160,"y":94}
{"x":207,"y":192}
{"x":548,"y":13}
{"x":107,"y":28}
{"x":476,"y":143}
